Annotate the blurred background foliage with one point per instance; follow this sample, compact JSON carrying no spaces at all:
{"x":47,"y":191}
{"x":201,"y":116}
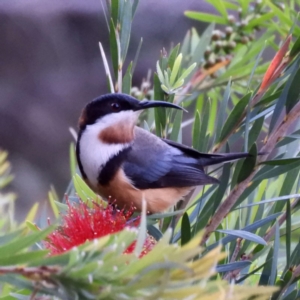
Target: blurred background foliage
{"x":51,"y":67}
{"x":237,"y":100}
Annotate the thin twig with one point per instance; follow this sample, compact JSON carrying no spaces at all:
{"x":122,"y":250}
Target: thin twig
{"x":233,"y":274}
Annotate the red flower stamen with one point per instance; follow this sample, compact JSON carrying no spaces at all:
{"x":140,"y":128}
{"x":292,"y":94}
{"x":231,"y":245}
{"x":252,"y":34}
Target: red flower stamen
{"x":82,"y":224}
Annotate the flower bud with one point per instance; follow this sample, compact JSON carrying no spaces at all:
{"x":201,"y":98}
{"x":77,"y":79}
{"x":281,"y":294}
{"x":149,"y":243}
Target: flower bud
{"x":216,"y":35}
{"x":231,"y":19}
{"x":228,"y":31}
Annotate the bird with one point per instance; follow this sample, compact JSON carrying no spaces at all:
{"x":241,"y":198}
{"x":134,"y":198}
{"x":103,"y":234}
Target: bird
{"x":121,"y":161}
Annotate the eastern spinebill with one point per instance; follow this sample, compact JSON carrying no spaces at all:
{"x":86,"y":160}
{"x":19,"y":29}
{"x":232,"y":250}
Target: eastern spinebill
{"x":125,"y":163}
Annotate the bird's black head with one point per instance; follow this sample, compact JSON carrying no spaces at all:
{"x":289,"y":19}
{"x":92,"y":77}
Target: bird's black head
{"x":112,"y":104}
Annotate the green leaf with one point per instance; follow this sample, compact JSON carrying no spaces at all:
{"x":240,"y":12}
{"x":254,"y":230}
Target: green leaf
{"x":159,"y":112}
{"x":134,"y":7}
{"x":176,"y":125}
{"x":7,"y":237}
{"x":63,"y":208}
{"x":185,"y":229}
{"x":234,"y":117}
{"x":248,"y":164}
{"x":273,"y":272}
{"x":295,"y":257}
{"x":246,"y":193}
{"x":275,"y":199}
{"x":250,"y":228}
{"x":233,"y":266}
{"x":272,"y":172}
{"x":154,"y":232}
{"x":255,"y":271}
{"x":173,"y":55}
{"x":85,"y":193}
{"x":244,"y":5}
{"x":266,"y":272}
{"x":284,"y":19}
{"x":114,"y":47}
{"x":245,"y":235}
{"x":196,"y":131}
{"x":166,"y":78}
{"x":255,"y":130}
{"x":107,"y":70}
{"x":259,"y":21}
{"x":125,"y":22}
{"x":296,"y":48}
{"x":53,"y":204}
{"x":175,"y":69}
{"x":288,"y":234}
{"x":294,"y":90}
{"x":222,"y":110}
{"x":287,"y":187}
{"x":179,"y":83}
{"x":204,"y":17}
{"x":32,"y":226}
{"x":282,"y":101}
{"x":224,"y":181}
{"x":204,"y":42}
{"x":159,"y":74}
{"x":204,"y":137}
{"x":184,"y":75}
{"x":280,"y":162}
{"x":230,"y":5}
{"x":22,"y":258}
{"x":137,"y":55}
{"x":21,"y":243}
{"x":142,"y":235}
{"x":73,"y":161}
{"x":186,"y":45}
{"x":126,"y":83}
{"x":114,"y":11}
{"x":220,"y":6}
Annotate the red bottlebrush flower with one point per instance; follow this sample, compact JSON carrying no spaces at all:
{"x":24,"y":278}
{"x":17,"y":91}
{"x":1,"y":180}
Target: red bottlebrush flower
{"x":82,"y":224}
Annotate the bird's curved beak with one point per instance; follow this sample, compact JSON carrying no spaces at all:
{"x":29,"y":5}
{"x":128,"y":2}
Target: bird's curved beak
{"x":144,"y":104}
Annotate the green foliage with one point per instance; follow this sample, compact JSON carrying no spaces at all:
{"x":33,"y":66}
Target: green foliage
{"x":237,"y":102}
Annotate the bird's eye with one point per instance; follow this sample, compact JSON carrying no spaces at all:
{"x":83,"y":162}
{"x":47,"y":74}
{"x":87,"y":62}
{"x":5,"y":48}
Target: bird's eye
{"x":115,"y":106}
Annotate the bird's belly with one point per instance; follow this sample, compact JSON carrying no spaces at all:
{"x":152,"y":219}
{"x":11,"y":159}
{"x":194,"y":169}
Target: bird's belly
{"x":125,"y":194}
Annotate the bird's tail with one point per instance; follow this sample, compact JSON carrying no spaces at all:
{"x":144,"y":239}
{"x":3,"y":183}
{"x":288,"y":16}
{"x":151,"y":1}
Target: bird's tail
{"x":213,"y":159}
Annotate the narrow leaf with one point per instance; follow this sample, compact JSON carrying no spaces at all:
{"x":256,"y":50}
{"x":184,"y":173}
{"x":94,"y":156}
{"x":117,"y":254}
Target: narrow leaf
{"x":288,"y":234}
{"x":273,"y":272}
{"x":175,"y":69}
{"x":233,"y":266}
{"x":234,"y":117}
{"x":245,"y":235}
{"x":282,"y":101}
{"x":114,"y":46}
{"x":204,"y":17}
{"x":222,"y":110}
{"x":125,"y":22}
{"x":176,"y":125}
{"x":126,"y":83}
{"x":248,"y":164}
{"x":185,"y":229}
{"x":173,"y":55}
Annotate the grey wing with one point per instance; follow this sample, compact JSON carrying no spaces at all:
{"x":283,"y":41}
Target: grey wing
{"x":152,"y":163}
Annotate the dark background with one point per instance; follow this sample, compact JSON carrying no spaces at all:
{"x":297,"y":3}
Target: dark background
{"x":51,"y":66}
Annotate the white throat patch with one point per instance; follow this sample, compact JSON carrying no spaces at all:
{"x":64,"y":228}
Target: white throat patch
{"x":94,"y":154}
